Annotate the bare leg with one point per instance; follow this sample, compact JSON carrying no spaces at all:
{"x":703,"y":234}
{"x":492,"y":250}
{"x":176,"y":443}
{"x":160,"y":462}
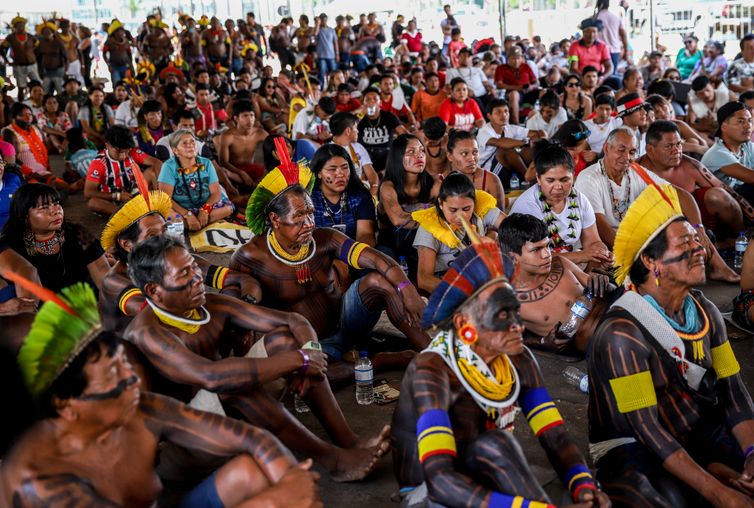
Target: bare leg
{"x":511,"y":159}
{"x":240,"y":479}
{"x":513,"y":102}
{"x":727,"y":213}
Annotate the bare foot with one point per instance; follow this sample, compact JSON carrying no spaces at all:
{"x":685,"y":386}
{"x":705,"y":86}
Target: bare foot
{"x":355,"y":464}
{"x":724,"y":273}
{"x":369,"y":442}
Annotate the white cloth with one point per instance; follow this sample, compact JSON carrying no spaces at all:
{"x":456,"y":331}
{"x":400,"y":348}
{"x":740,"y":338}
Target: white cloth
{"x":599,"y":132}
{"x":362,"y":157}
{"x":595,"y":185}
{"x":487,"y":132}
{"x":529,"y":204}
{"x":473,"y":76}
{"x":537,"y":123}
{"x":125,"y":116}
{"x":700,"y":109}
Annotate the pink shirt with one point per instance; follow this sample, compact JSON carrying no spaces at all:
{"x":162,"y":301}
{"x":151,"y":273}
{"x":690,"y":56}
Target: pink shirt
{"x":610,"y":33}
{"x":593,"y":55}
{"x":7,"y":150}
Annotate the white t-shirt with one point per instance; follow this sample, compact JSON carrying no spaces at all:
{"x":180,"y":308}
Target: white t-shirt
{"x":359,"y":157}
{"x":125,"y":116}
{"x":537,"y":123}
{"x":529,"y":204}
{"x":700,"y":108}
{"x":487,"y":132}
{"x":599,"y":132}
{"x":606,"y":197}
{"x":473,"y":76}
{"x":307,"y":122}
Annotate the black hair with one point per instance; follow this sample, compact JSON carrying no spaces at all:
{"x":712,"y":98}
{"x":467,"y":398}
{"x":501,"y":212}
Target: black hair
{"x":572,"y":76}
{"x":431,"y":75}
{"x":395,"y":171}
{"x":699,"y":83}
{"x":548,"y":154}
{"x":570,"y":133}
{"x":131,"y":233}
{"x":550,"y":99}
{"x":72,"y":382}
{"x":456,"y":81}
{"x":18,"y":108}
{"x":120,"y":137}
{"x":434,"y":128}
{"x":456,"y":136}
{"x":663,"y":88}
{"x":280,"y":205}
{"x":182,"y":114}
{"x":655,"y":99}
{"x":747,"y":37}
{"x":590,"y":68}
{"x":654,"y":250}
{"x":201,"y":86}
{"x":327,"y":152}
{"x":151,"y":106}
{"x":268,"y":151}
{"x":242,"y":106}
{"x":340,"y":121}
{"x":170,"y":89}
{"x":455,"y":185}
{"x":327,"y":105}
{"x":746,"y":96}
{"x":75,"y":138}
{"x":631,"y":71}
{"x":24,"y":199}
{"x":519,"y":228}
{"x":603,"y":99}
{"x":146,"y":262}
{"x":263,"y":87}
{"x":658,"y":128}
{"x":496,"y":103}
{"x":344,"y":87}
{"x":50,"y":96}
{"x":603,"y":90}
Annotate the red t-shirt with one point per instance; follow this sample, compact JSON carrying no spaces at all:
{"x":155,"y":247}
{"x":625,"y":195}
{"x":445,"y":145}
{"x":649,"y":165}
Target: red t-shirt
{"x":208,"y":118}
{"x":388,"y":106}
{"x":413,"y":44}
{"x":461,"y":118}
{"x":593,"y":55}
{"x":351,"y":105}
{"x":515,"y":77}
{"x":112,"y":175}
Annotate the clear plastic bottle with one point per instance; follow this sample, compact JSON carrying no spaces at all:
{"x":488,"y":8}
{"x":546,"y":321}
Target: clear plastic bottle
{"x":579,"y":311}
{"x":169,"y":225}
{"x":515,"y":182}
{"x":299,"y":405}
{"x":404,"y":265}
{"x":577,"y":377}
{"x":741,"y":244}
{"x":178,"y":225}
{"x":536,"y":105}
{"x":364,"y":380}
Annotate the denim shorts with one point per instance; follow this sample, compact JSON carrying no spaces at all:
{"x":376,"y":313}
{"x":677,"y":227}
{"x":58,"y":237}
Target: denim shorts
{"x":356,"y":323}
{"x":203,"y":495}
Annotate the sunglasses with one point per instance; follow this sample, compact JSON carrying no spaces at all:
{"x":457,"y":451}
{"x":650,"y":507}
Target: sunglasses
{"x":573,"y":84}
{"x":688,"y":42}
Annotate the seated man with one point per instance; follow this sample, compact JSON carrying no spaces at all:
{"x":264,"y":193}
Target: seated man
{"x":300,"y":268}
{"x":137,"y":220}
{"x":614,"y":182}
{"x":452,"y":429}
{"x":238,"y":144}
{"x":671,"y":421}
{"x":545,"y":284}
{"x":110,"y":180}
{"x":184,"y":339}
{"x":721,"y":207}
{"x":97,"y":443}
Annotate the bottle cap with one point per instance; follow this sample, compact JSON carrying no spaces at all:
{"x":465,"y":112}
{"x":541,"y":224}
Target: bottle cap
{"x":363,"y":354}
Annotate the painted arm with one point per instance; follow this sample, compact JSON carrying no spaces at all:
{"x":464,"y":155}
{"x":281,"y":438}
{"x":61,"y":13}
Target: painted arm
{"x":398,"y":217}
{"x":705,"y":177}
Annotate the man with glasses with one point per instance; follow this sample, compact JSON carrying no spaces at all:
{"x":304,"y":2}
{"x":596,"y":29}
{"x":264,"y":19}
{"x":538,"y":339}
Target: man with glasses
{"x":110,"y":180}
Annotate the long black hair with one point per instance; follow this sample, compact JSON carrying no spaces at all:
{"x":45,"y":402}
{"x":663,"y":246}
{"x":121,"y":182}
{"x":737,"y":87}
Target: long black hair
{"x":456,"y":184}
{"x":571,"y":133}
{"x":395,"y":172}
{"x":327,"y":152}
{"x":548,"y":154}
{"x":268,"y":151}
{"x":26,"y":197}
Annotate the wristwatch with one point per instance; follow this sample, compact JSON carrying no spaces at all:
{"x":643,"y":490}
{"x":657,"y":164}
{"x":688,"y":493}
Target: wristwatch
{"x":189,"y":214}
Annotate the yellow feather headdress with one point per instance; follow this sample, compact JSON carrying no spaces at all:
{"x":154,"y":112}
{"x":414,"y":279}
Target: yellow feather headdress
{"x":133,"y":211}
{"x":430,"y":220}
{"x":649,"y":215}
{"x":114,"y":25}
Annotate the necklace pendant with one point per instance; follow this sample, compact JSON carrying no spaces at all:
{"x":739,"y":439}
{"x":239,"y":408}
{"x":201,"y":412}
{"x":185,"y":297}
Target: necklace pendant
{"x":303,"y":274}
{"x":192,"y":184}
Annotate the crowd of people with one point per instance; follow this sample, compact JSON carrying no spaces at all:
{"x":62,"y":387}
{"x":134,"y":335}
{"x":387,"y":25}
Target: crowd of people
{"x":489,"y":198}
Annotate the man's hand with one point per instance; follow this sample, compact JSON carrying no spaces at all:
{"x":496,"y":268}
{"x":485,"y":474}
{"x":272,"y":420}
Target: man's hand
{"x":298,"y":488}
{"x":594,"y":498}
{"x":317,"y":364}
{"x":18,"y":305}
{"x":245,"y":178}
{"x":413,"y":303}
{"x":598,"y":284}
{"x":745,"y":482}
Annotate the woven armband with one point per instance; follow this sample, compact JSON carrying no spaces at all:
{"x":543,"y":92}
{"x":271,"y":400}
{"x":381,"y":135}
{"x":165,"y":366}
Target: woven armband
{"x":724,"y":361}
{"x":216,"y":276}
{"x":577,"y":478}
{"x":125,"y":296}
{"x":540,"y":410}
{"x":634,"y":392}
{"x":498,"y":500}
{"x":434,"y":435}
{"x":350,"y":252}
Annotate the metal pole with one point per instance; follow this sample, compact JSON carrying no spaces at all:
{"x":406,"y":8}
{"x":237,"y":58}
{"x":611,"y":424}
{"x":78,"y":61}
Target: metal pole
{"x":651,"y":25}
{"x":96,"y":14}
{"x":503,"y":21}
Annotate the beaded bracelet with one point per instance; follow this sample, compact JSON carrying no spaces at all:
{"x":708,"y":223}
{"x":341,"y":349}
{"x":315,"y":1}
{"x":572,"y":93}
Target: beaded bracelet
{"x":305,"y":356}
{"x":749,"y":451}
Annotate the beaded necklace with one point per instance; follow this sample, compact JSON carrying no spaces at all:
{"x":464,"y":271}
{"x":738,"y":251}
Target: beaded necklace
{"x":691,"y":331}
{"x":191,"y":324}
{"x":300,"y":260}
{"x":47,"y":247}
{"x":558,"y":245}
{"x":35,"y":144}
{"x":339,"y":213}
{"x":620,"y":207}
{"x":192,"y":184}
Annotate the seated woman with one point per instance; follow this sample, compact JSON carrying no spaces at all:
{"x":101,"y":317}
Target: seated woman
{"x":441,"y":236}
{"x":54,"y":123}
{"x":568,"y":215}
{"x":574,"y":136}
{"x":96,"y":117}
{"x":407,"y":187}
{"x":576,"y":103}
{"x":340,"y":200}
{"x":273,"y":107}
{"x":693,"y":143}
{"x":459,"y":111}
{"x":633,"y":82}
{"x":463,"y":154}
{"x":191,"y":180}
{"x":152,"y":126}
{"x":62,"y":253}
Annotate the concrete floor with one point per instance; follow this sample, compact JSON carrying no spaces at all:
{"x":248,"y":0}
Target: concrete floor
{"x":376,"y":491}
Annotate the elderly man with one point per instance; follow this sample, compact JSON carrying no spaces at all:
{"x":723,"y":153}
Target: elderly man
{"x":671,"y":421}
{"x":460,"y":396}
{"x":720,"y":206}
{"x":97,"y":443}
{"x":613,"y":183}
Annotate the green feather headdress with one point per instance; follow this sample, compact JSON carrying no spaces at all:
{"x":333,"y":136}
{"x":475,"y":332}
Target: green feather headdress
{"x":276,"y":182}
{"x":63,"y":327}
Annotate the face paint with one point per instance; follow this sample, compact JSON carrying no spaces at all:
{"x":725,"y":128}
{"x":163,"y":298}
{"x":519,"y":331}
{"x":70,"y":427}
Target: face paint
{"x":183,"y":287}
{"x":502,"y":299}
{"x":112,"y":394}
{"x":682,"y":257}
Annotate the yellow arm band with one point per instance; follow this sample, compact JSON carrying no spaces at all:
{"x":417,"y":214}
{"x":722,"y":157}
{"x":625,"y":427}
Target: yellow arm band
{"x":634,"y":392}
{"x":125,"y":296}
{"x":724,"y":361}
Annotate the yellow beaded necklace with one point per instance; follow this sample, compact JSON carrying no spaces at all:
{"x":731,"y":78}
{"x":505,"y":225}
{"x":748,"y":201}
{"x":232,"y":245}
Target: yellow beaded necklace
{"x":280,"y":251}
{"x":496,"y":390}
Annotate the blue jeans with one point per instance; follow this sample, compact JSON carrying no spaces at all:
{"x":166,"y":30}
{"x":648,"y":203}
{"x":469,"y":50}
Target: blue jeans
{"x":118,"y":73}
{"x":356,"y":322}
{"x":326,"y":66}
{"x":204,"y":495}
{"x":359,"y":62}
{"x":615,"y":57}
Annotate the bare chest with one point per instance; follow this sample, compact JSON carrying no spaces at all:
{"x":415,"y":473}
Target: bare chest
{"x":549,"y":303}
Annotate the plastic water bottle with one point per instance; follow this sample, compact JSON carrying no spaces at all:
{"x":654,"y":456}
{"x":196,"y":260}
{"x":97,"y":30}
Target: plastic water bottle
{"x":579,"y":312}
{"x":169,"y":224}
{"x":741,"y":243}
{"x":515,"y":182}
{"x":404,"y":265}
{"x":364,"y":380}
{"x":536,"y":105}
{"x":178,"y":225}
{"x":576,"y":377}
{"x":299,"y":405}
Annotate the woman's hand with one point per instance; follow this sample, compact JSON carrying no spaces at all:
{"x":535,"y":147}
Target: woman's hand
{"x":192,"y":223}
{"x":203,"y":218}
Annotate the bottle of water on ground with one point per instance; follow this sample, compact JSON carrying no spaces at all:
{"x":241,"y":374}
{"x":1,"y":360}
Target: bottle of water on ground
{"x":299,"y":405}
{"x":364,"y":380}
{"x":741,"y":244}
{"x":404,"y":265}
{"x":579,"y":311}
{"x":515,"y":182}
{"x":577,"y":377}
